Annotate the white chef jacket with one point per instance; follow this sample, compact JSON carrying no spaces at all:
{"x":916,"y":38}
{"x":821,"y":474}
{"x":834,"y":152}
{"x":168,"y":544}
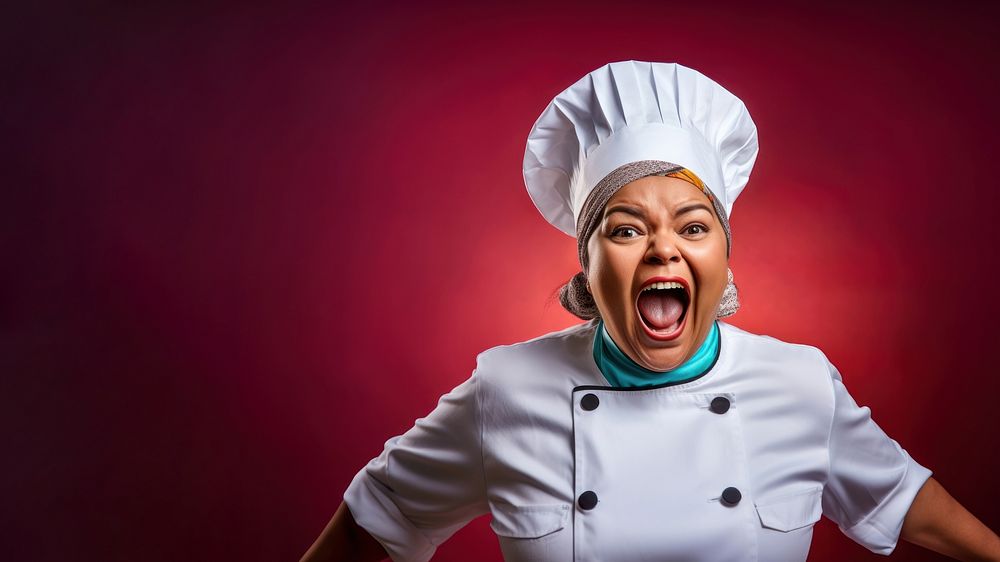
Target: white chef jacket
{"x":736,"y":465}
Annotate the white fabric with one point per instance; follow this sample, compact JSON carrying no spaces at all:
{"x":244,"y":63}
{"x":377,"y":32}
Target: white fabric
{"x":629,"y":111}
{"x":514,"y":441}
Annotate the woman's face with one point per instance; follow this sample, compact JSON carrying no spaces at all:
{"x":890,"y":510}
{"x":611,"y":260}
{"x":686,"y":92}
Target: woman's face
{"x":658,"y":227}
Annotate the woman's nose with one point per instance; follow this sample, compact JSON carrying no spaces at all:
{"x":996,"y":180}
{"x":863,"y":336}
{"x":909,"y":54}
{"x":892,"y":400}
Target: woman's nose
{"x":662,"y":249}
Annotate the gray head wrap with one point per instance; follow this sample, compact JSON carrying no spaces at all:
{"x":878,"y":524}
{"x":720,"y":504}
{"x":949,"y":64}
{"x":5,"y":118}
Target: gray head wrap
{"x":574,"y":295}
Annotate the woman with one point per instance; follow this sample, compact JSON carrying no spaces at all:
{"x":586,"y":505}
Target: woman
{"x":654,"y":430}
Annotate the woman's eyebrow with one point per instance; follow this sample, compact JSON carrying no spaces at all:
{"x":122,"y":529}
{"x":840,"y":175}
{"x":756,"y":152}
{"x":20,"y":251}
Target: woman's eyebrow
{"x":634,"y":211}
{"x":638,"y":212}
{"x":692,"y":207}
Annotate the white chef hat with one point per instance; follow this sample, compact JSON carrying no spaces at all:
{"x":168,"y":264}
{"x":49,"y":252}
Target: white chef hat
{"x":629,"y":111}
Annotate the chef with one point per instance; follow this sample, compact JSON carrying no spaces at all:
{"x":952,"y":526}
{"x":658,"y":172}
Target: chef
{"x":653,"y":430}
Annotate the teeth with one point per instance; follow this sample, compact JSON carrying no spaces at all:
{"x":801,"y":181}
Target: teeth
{"x":664,"y":285}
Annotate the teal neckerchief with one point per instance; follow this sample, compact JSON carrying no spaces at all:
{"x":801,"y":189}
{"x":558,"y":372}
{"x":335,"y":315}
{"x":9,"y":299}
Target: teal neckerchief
{"x":621,"y":371}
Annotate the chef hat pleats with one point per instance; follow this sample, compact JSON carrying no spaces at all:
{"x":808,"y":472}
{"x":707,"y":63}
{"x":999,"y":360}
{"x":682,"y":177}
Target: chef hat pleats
{"x":740,"y":152}
{"x":629,"y":111}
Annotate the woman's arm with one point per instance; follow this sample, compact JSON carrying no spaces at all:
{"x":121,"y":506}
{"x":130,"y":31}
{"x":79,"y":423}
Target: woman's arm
{"x":937,"y":521}
{"x":344,"y":540}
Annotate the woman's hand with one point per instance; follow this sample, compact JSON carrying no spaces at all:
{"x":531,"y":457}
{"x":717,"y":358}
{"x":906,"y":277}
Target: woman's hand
{"x":937,"y":521}
{"x":344,"y":540}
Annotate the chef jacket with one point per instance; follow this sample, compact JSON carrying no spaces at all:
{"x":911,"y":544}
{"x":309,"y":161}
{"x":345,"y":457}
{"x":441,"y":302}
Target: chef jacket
{"x":735,"y":465}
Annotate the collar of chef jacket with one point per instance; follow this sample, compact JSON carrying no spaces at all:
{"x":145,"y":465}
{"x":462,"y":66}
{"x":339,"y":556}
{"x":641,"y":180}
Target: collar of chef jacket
{"x":621,"y":371}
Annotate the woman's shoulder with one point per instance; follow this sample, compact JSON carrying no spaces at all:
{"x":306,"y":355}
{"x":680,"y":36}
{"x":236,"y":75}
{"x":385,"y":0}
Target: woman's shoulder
{"x":575,"y":336}
{"x":746,"y":342}
{"x":798,"y":371}
{"x":566,"y":350}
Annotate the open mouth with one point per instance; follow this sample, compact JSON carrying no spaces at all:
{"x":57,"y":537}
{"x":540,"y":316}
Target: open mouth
{"x":662,"y":307}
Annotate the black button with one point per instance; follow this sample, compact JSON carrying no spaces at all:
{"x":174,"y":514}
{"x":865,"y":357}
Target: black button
{"x":731,"y":496}
{"x":720,"y":405}
{"x":589,"y":402}
{"x":588,"y":499}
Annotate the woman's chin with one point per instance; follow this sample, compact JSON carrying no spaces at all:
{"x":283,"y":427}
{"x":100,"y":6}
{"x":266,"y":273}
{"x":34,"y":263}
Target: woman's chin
{"x":664,"y":359}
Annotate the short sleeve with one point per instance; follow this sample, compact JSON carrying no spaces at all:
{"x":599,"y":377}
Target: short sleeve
{"x":872,"y":480}
{"x":427,"y":483}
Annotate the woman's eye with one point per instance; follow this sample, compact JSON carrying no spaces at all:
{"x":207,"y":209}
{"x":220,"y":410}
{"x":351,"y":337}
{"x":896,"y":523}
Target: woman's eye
{"x":696,"y":229}
{"x":625,"y":232}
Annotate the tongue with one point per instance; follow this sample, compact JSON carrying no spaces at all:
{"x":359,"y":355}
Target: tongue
{"x":660,"y":309}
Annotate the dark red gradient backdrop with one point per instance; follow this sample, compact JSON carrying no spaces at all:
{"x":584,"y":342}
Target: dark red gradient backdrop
{"x":242,"y":247}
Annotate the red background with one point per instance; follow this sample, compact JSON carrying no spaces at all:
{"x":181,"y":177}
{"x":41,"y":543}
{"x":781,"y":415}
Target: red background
{"x":244,"y":246}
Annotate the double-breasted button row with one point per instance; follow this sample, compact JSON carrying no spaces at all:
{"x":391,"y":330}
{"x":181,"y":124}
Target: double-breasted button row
{"x":720,"y":405}
{"x":588,"y":499}
{"x":590,"y":402}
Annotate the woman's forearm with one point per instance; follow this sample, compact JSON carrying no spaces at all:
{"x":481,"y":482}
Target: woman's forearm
{"x":937,"y":521}
{"x":344,"y":540}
